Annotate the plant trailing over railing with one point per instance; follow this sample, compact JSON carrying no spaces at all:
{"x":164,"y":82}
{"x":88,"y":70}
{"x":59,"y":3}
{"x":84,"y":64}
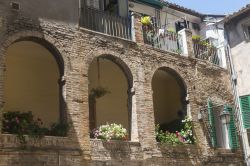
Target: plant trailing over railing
{"x":23,"y":124}
{"x":110,"y":132}
{"x":185,"y":136}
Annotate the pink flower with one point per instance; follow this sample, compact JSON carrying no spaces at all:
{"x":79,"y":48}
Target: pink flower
{"x":17,"y":120}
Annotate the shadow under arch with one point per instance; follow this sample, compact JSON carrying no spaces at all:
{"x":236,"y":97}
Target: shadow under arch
{"x":50,"y":47}
{"x":129,"y":81}
{"x":169,"y":98}
{"x":60,"y":65}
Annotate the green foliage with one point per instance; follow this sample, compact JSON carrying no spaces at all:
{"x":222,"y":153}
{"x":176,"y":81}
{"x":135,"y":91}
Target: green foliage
{"x":23,"y":123}
{"x":185,"y":136}
{"x":98,"y":92}
{"x":178,"y":51}
{"x":196,"y":38}
{"x":187,"y":131}
{"x":59,"y":129}
{"x":166,"y":137}
{"x":171,"y":30}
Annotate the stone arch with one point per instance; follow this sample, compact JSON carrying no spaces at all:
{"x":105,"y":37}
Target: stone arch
{"x":38,"y":37}
{"x":122,"y":66}
{"x":169,"y":98}
{"x":51,"y":46}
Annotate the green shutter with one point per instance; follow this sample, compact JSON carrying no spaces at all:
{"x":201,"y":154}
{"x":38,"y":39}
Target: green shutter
{"x":245,"y":108}
{"x":212,"y":123}
{"x":232,"y":132}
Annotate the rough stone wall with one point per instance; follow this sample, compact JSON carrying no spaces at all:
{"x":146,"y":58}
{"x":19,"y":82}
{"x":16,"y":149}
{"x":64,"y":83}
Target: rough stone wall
{"x":78,"y":47}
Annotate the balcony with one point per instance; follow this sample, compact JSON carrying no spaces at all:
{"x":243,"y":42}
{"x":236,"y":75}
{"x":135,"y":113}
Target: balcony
{"x":131,"y":28}
{"x":206,"y":50}
{"x":164,"y":40}
{"x":105,"y":22}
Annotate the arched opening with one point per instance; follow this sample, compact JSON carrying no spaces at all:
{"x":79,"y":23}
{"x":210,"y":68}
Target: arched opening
{"x":32,"y":81}
{"x":169,"y":99}
{"x":109,"y":93}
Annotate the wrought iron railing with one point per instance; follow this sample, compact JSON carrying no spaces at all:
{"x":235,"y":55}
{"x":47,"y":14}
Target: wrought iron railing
{"x":206,"y":51}
{"x":165,"y":40}
{"x":104,"y":22}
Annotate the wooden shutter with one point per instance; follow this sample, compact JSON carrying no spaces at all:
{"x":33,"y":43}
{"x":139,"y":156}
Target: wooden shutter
{"x":245,"y":108}
{"x":232,"y":132}
{"x":212,"y":123}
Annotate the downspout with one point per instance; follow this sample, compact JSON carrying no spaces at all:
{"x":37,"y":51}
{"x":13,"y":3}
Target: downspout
{"x":237,"y":101}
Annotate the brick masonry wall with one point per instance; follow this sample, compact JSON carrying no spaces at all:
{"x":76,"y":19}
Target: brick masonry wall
{"x":78,"y":47}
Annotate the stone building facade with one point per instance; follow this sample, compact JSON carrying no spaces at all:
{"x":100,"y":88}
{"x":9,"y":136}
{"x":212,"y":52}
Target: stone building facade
{"x":76,"y":48}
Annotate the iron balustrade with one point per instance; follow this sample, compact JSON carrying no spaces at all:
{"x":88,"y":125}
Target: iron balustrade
{"x":166,"y":40}
{"x":105,"y":22}
{"x":205,"y":51}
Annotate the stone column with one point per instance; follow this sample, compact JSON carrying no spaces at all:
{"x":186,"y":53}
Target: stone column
{"x":190,"y":45}
{"x":134,"y":122}
{"x":187,"y":42}
{"x":78,"y":114}
{"x":145,"y":114}
{"x":137,"y":28}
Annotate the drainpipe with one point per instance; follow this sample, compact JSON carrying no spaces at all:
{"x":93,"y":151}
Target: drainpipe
{"x":243,"y":132}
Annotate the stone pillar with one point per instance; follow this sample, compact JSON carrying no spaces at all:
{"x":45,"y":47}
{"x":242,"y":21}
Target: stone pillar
{"x":134,"y":123}
{"x":187,"y":42}
{"x":78,"y":114}
{"x":145,"y":114}
{"x":190,"y":45}
{"x":137,"y":28}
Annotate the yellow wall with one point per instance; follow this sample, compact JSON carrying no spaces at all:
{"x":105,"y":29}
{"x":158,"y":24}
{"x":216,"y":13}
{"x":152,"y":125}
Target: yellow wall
{"x":31,"y":81}
{"x":112,"y":107}
{"x":166,"y":97}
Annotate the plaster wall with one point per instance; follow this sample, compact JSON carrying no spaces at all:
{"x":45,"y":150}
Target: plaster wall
{"x":216,"y":31}
{"x":241,"y":60}
{"x":31,"y":82}
{"x":240,"y":53}
{"x":173,"y":16}
{"x":59,"y":10}
{"x":168,"y":16}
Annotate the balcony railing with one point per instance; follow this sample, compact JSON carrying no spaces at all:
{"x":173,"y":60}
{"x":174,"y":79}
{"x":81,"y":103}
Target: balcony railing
{"x":165,"y":40}
{"x":204,"y":50}
{"x":104,"y":22}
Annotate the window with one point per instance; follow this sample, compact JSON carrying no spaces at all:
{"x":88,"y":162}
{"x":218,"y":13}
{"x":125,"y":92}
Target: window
{"x":246,"y":30}
{"x":196,"y":26}
{"x":245,"y":108}
{"x":221,"y":135}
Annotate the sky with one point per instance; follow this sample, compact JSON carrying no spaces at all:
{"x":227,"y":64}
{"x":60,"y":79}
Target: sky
{"x":213,"y":6}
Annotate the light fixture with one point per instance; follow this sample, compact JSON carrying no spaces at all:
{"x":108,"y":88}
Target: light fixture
{"x":225,"y":117}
